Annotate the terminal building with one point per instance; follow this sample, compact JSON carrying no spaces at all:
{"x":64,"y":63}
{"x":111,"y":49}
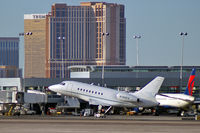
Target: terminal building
{"x":124,"y":77}
{"x":115,"y":77}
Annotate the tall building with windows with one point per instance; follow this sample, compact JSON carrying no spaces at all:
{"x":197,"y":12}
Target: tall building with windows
{"x":75,"y":35}
{"x":71,"y":38}
{"x":9,"y":51}
{"x":35,"y":45}
{"x":110,"y":26}
{"x":9,"y":57}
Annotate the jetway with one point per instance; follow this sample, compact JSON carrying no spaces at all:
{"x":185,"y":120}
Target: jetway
{"x":7,"y":102}
{"x":8,"y":97}
{"x":13,"y":102}
{"x":32,"y":97}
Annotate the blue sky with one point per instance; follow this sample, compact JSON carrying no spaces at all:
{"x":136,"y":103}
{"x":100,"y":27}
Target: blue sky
{"x":157,"y":21}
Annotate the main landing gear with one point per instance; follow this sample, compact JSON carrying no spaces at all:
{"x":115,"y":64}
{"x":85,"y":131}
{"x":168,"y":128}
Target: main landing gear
{"x":101,"y":112}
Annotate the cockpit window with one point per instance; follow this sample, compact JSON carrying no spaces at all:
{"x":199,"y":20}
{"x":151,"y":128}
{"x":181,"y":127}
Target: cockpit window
{"x":62,"y":83}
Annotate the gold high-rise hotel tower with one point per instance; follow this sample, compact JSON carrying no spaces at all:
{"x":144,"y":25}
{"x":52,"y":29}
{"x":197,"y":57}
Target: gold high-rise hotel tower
{"x":35,"y":45}
{"x":90,"y":34}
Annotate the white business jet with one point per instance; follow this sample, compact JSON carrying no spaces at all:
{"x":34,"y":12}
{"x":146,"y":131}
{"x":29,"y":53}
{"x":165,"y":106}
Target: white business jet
{"x":102,"y":96}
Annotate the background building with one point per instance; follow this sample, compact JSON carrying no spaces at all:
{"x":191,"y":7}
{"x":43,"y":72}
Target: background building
{"x":74,"y":35}
{"x":35,"y":45}
{"x":110,"y":26}
{"x":10,"y":72}
{"x":71,"y":38}
{"x":9,"y":51}
{"x":9,"y":57}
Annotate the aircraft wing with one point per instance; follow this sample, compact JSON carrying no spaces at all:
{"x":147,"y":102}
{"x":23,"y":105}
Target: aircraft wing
{"x":97,"y":102}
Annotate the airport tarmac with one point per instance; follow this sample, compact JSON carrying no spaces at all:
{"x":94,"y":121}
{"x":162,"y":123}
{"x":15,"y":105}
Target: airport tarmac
{"x":111,"y":124}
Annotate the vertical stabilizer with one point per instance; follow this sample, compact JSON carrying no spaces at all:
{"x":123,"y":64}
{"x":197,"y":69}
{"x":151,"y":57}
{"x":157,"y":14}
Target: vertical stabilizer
{"x":152,"y":88}
{"x":190,"y":85}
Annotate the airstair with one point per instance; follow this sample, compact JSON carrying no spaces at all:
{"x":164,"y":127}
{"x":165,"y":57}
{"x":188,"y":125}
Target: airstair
{"x":69,"y":102}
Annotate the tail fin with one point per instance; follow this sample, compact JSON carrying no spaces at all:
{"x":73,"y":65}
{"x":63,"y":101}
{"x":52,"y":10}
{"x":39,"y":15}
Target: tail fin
{"x":190,"y":85}
{"x":152,"y":88}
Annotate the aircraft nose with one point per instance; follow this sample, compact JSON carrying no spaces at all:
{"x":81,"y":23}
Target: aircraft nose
{"x":53,"y":88}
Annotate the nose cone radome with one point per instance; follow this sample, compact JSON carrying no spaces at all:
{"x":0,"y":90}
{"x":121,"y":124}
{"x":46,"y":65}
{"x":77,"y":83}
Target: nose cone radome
{"x":53,"y":88}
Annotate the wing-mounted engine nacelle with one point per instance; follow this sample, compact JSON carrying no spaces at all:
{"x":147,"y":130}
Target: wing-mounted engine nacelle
{"x":124,"y":96}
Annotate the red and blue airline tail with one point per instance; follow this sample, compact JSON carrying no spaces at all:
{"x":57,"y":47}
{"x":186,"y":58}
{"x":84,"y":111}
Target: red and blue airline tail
{"x":190,"y":85}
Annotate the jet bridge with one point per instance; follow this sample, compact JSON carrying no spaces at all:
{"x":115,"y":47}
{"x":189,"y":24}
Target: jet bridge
{"x":32,"y":97}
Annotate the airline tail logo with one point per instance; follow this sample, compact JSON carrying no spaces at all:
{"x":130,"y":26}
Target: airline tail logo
{"x":190,"y":84}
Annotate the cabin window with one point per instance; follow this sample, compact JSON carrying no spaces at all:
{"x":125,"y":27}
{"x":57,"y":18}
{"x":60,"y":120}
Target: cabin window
{"x":83,"y":89}
{"x":86,"y":90}
{"x":95,"y":92}
{"x":101,"y":93}
{"x":92,"y":92}
{"x":98,"y":93}
{"x":89,"y":91}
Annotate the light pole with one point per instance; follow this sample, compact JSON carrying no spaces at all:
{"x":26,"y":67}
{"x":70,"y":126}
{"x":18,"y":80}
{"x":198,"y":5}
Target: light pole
{"x":181,"y":71}
{"x":104,"y":51}
{"x":25,"y":34}
{"x":62,"y":45}
{"x":137,"y":56}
